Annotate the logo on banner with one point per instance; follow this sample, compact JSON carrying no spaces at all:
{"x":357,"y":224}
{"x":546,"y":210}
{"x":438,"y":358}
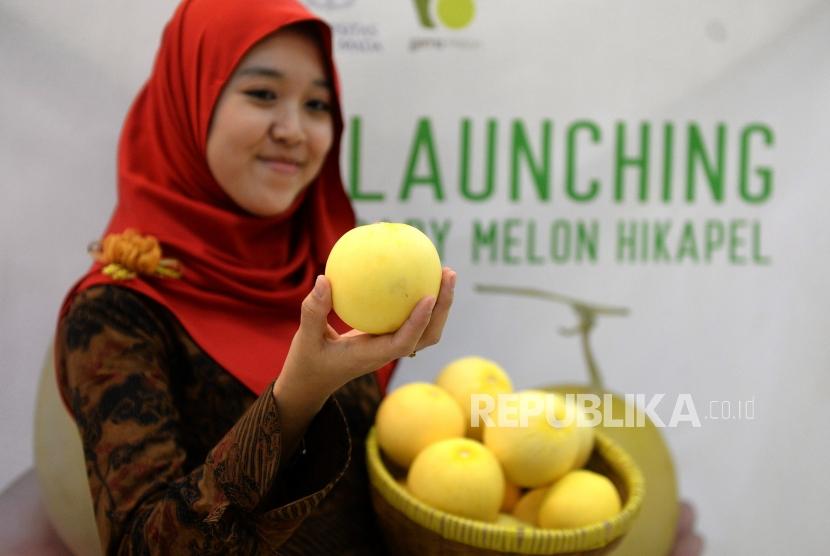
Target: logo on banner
{"x":453,"y":14}
{"x":361,"y":37}
{"x":444,"y":15}
{"x":331,"y":4}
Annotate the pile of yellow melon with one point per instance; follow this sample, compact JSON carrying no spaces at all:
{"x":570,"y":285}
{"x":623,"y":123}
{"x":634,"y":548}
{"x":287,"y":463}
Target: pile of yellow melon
{"x":522,"y":466}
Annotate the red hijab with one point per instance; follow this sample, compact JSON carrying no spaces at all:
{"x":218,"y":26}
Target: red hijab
{"x":244,"y":276}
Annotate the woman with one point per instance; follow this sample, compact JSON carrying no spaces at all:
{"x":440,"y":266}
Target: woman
{"x":216,"y":419}
{"x":211,"y":422}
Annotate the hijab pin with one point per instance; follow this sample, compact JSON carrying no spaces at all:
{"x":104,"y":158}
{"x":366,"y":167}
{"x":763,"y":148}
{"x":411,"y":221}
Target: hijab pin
{"x":129,"y":254}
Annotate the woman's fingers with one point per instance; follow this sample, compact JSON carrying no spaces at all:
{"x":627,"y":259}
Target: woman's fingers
{"x":426,"y":322}
{"x":687,"y":542}
{"x":690,"y":545}
{"x":685,"y":519}
{"x":25,"y":527}
{"x":423,"y":327}
{"x":405,"y":340}
{"x":315,"y":309}
{"x":438,"y":318}
{"x":331,"y":333}
{"x":362,"y":352}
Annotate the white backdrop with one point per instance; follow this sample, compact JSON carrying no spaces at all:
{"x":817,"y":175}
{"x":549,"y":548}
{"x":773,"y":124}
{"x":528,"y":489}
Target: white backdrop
{"x":748,"y":323}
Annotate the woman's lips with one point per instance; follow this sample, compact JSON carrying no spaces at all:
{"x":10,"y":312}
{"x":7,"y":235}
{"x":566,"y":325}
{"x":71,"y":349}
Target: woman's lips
{"x":281,"y":166}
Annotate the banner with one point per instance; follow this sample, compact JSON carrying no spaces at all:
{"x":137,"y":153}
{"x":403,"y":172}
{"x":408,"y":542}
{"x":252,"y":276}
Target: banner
{"x":657,"y":169}
{"x":661,"y":160}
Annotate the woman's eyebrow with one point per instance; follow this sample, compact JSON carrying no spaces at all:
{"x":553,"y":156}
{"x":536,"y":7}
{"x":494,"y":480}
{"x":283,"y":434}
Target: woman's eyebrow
{"x":263,"y":71}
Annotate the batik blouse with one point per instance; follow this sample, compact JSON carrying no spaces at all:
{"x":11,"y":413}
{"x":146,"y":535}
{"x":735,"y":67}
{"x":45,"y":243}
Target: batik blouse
{"x":183,"y":459}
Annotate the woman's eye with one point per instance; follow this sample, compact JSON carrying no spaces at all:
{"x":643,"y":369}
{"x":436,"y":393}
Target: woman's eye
{"x":319,"y":105}
{"x":261,"y":94}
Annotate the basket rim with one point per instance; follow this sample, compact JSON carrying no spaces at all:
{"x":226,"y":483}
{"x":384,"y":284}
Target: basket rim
{"x":515,"y":538}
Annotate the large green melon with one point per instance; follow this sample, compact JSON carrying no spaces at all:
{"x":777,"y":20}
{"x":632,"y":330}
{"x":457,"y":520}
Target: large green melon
{"x":654,"y":529}
{"x":61,"y":468}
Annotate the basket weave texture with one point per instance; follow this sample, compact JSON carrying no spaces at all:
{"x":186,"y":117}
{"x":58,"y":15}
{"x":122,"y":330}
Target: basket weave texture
{"x":410,"y":527}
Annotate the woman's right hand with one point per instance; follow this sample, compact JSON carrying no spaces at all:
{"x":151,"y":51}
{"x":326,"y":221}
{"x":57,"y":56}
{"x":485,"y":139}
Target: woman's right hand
{"x":320,"y":360}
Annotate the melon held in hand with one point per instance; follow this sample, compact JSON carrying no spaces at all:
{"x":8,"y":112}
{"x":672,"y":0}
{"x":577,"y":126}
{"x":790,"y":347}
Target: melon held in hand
{"x":379,"y":272}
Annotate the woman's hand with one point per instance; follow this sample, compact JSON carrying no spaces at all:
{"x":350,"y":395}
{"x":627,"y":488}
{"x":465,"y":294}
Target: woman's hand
{"x":324,"y":360}
{"x":688,"y":542}
{"x":320,"y":360}
{"x":25,"y":528}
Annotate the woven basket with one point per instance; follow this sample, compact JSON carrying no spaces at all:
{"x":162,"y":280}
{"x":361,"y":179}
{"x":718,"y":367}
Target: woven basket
{"x":410,"y":527}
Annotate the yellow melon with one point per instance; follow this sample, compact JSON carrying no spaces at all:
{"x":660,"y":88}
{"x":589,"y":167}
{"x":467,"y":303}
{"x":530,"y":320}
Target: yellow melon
{"x":379,"y":272}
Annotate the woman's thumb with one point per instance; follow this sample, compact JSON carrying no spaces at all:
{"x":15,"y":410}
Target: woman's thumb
{"x":316,"y":306}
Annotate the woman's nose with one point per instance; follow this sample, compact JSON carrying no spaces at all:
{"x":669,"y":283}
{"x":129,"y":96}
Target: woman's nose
{"x":286,"y":125}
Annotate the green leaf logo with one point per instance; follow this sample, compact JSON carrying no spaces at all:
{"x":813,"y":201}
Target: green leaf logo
{"x":453,"y":14}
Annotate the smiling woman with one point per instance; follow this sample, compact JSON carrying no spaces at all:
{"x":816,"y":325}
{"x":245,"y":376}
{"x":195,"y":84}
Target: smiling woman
{"x":218,"y":410}
{"x":272,"y":126}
